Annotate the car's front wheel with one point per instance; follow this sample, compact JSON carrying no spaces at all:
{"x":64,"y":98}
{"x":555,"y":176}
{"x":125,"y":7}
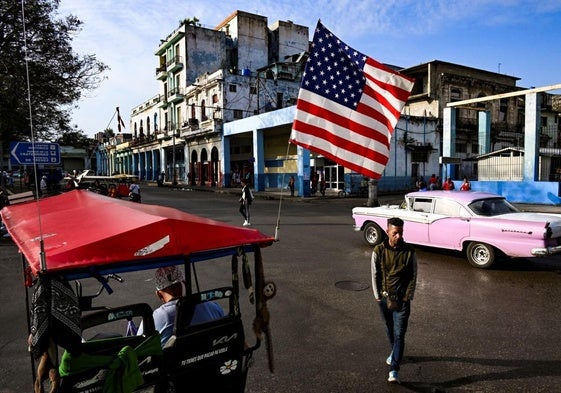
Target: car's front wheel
{"x":373,"y":234}
{"x":480,"y":255}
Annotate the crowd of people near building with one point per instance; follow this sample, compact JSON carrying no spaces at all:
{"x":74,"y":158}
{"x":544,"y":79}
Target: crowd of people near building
{"x":434,"y":183}
{"x":19,"y":180}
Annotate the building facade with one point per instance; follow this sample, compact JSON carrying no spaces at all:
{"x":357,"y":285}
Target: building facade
{"x":225,"y":107}
{"x":209,"y":77}
{"x":438,"y":83}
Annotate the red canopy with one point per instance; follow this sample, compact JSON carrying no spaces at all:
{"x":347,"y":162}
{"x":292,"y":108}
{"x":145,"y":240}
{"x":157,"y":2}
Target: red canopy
{"x":81,"y":229}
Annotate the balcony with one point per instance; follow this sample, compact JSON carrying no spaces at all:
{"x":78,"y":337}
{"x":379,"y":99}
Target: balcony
{"x":163,"y":103}
{"x":161,"y":73}
{"x":174,"y":64}
{"x":175,"y":95}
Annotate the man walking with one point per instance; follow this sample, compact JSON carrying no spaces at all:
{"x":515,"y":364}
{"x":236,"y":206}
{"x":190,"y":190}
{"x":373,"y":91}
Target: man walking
{"x":245,"y":200}
{"x":394,"y":276}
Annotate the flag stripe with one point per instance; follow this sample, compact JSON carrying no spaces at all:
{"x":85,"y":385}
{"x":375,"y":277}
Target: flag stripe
{"x":340,"y":145}
{"x":355,"y":122}
{"x":369,"y":168}
{"x":398,"y":85}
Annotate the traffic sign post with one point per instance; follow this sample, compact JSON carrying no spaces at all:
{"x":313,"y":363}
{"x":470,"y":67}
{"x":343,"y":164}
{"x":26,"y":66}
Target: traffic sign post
{"x":27,"y":153}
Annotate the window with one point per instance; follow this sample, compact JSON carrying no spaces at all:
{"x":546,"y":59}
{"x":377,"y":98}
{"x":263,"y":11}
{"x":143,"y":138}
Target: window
{"x":447,"y":208}
{"x":503,"y":109}
{"x":279,"y":100}
{"x":422,"y":205}
{"x":238,"y":114}
{"x":203,"y":111}
{"x":481,"y":105}
{"x":418,"y":87}
{"x":475,"y":148}
{"x":492,"y":207}
{"x":253,"y":90}
{"x":214,"y":98}
{"x":419,"y":156}
{"x":178,"y":116}
{"x":233,"y":88}
{"x":461,"y":147}
{"x":455,"y":94}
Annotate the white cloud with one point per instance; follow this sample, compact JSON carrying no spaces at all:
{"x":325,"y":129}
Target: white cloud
{"x":124,"y":34}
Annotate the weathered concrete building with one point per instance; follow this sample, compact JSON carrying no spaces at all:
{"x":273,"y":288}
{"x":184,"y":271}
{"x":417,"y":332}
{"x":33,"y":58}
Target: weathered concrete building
{"x":438,"y":83}
{"x":209,"y":77}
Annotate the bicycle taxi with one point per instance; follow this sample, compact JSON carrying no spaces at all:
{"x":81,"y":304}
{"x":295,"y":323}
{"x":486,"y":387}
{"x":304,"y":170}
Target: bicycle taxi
{"x":115,"y":186}
{"x":75,"y":246}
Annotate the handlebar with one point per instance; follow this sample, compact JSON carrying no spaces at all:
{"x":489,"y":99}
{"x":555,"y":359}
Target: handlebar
{"x":85,"y":301}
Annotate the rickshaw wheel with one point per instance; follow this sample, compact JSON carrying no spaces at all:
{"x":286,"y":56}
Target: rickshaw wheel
{"x":269,"y":290}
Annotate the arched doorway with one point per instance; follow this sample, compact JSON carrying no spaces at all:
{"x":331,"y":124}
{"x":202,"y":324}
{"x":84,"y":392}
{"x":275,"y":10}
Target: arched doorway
{"x":204,"y":167}
{"x":194,"y":168}
{"x":214,"y":165}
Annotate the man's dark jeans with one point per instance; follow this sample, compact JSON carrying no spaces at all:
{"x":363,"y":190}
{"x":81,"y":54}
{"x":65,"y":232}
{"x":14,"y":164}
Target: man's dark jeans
{"x":396,"y":327}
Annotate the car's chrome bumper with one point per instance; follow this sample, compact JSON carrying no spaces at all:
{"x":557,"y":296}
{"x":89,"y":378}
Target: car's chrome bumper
{"x":546,"y":251}
{"x":356,"y":229}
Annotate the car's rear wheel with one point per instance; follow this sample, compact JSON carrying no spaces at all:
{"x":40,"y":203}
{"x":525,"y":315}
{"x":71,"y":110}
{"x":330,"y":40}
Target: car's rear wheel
{"x":480,"y":255}
{"x":373,"y":234}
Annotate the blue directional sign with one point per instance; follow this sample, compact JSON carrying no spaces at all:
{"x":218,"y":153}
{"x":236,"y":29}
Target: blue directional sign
{"x":27,"y":153}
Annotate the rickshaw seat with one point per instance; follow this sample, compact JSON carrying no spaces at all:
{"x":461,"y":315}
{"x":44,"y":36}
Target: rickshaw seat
{"x":88,"y":371}
{"x":208,"y":357}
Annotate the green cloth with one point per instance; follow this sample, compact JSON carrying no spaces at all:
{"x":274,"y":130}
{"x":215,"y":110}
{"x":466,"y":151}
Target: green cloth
{"x":124,"y":375}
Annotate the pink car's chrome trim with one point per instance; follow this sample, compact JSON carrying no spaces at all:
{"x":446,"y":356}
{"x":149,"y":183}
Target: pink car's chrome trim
{"x":546,"y":250}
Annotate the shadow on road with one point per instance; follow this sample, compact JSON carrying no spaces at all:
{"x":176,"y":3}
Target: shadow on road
{"x":514,"y":370}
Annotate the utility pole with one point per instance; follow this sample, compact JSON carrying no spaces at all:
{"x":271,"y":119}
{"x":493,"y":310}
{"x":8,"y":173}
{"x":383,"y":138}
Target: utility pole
{"x":174,"y":173}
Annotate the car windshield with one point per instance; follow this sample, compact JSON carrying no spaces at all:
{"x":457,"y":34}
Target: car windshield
{"x":492,"y":207}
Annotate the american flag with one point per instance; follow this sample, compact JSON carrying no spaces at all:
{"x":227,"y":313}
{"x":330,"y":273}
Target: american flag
{"x":120,"y":122}
{"x":348,"y":105}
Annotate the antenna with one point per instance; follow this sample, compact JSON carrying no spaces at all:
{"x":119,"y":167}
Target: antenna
{"x":26,"y":59}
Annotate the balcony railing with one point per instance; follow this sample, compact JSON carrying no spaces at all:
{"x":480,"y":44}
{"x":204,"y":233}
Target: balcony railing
{"x":174,"y":64}
{"x":176,"y":94}
{"x":161,"y":73}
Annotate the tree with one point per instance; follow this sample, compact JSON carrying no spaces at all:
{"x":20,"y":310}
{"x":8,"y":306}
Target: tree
{"x":75,"y":138}
{"x":57,"y":76}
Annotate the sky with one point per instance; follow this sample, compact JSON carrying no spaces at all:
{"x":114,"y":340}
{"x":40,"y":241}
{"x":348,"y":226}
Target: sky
{"x":519,"y":38}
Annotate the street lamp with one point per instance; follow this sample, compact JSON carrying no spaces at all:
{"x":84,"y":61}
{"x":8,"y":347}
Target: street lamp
{"x":174,"y":172}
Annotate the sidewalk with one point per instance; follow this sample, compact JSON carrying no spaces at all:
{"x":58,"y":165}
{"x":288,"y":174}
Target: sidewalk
{"x":383,"y":198}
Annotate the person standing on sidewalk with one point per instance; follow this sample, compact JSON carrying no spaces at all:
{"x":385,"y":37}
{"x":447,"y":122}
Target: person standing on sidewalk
{"x":394,"y":276}
{"x":291,"y":184}
{"x":245,"y":201}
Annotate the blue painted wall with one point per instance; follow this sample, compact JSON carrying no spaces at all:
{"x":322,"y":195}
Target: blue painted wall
{"x":545,"y":193}
{"x":396,"y":184}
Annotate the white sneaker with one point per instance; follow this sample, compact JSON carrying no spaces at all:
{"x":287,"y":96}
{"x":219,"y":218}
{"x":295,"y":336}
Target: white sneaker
{"x":393,"y":377}
{"x":246,"y":223}
{"x":389,"y":360}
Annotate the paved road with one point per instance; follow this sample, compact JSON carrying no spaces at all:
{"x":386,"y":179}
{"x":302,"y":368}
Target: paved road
{"x":471,"y":330}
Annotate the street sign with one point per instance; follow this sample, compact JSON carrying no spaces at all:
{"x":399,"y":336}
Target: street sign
{"x":449,"y":160}
{"x":27,"y":153}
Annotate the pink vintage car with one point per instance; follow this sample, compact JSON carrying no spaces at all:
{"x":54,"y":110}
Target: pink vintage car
{"x":483,"y":225}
